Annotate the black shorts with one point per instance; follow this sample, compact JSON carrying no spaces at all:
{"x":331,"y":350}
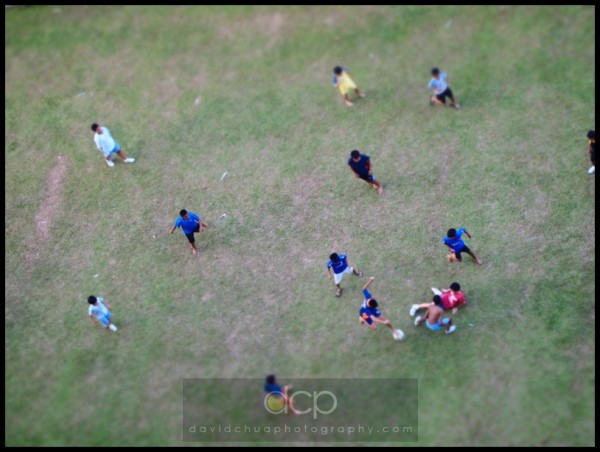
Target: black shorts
{"x":442,"y":97}
{"x":190,"y":236}
{"x":463,"y":249}
{"x":368,"y":178}
{"x":593,"y":156}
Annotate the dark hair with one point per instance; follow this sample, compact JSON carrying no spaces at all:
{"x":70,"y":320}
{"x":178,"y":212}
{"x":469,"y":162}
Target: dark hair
{"x":95,"y":126}
{"x":451,"y":233}
{"x":355,"y":154}
{"x":334,"y":257}
{"x":338,"y":70}
{"x":183,"y":212}
{"x":92,"y":299}
{"x":435,"y":71}
{"x":270,"y":379}
{"x":455,"y":286}
{"x":437,"y":300}
{"x":591,"y":134}
{"x":372,"y":303}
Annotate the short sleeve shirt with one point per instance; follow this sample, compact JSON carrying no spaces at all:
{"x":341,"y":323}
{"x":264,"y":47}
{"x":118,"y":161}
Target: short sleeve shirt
{"x":362,"y":166}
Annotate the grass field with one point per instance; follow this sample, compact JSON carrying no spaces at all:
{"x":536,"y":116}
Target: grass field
{"x":192,"y":92}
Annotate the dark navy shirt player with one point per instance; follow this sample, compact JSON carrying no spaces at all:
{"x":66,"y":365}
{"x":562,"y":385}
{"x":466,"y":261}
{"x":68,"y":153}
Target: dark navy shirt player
{"x":361,"y":167}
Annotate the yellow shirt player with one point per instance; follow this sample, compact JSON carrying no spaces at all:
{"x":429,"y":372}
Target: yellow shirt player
{"x":342,"y":80}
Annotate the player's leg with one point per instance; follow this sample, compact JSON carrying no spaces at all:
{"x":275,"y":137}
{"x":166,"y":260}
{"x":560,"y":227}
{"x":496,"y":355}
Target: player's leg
{"x":124,"y":157}
{"x":359,"y":94}
{"x":377,"y":186}
{"x":438,"y":99}
{"x":347,"y":100}
{"x":415,"y":307}
{"x":192,"y":241}
{"x":467,"y":250}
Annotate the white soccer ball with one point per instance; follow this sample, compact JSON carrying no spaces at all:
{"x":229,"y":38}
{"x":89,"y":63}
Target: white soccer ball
{"x":398,"y":335}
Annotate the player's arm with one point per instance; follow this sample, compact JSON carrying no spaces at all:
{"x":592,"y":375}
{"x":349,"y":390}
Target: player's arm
{"x":353,"y":172}
{"x":203,"y":225}
{"x":329,"y":275}
{"x":369,"y":167}
{"x":371,"y":279}
{"x":109,"y":306}
{"x":93,"y":319}
{"x":176,"y":225}
{"x":467,"y":232}
{"x":381,"y":320}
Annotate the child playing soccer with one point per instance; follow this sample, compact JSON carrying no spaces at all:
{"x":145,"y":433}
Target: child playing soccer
{"x":342,"y":80}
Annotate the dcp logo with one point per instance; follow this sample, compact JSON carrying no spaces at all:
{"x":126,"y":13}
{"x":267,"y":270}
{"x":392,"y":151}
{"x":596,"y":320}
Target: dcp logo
{"x":301,"y":402}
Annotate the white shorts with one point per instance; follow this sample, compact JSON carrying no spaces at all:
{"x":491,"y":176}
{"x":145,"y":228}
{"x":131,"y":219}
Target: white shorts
{"x":337,"y":277}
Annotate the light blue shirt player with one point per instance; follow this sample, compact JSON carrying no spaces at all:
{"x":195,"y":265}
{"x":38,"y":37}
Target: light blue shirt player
{"x":439,"y":85}
{"x":105,"y":142}
{"x":100,"y":311}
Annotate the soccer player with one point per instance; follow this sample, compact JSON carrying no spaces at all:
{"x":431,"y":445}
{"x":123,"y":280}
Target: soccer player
{"x":456,"y":246}
{"x":434,"y":317}
{"x":368,"y":312}
{"x":189,"y":222}
{"x":342,"y":80}
{"x":360,"y":165}
{"x":452,"y":298}
{"x":107,"y":145}
{"x":441,"y":89}
{"x":591,"y":135}
{"x":340,"y":265}
{"x":277,"y":397}
{"x":99,"y":311}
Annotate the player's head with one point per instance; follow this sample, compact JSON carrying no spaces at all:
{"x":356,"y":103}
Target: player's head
{"x":454,"y":287}
{"x":372,"y":303}
{"x":270,"y":379}
{"x":95,"y":127}
{"x":92,"y":299}
{"x":183,"y":213}
{"x":334,"y":258}
{"x":338,"y":70}
{"x":591,"y":134}
{"x":451,"y":233}
{"x":437,"y":300}
{"x":355,"y":154}
{"x":435,"y":72}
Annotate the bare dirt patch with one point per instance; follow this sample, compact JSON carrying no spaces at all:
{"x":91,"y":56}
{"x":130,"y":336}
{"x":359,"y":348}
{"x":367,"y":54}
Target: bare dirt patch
{"x":50,"y":207}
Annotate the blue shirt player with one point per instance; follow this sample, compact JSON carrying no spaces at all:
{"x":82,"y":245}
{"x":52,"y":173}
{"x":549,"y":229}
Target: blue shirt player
{"x":277,"y":398}
{"x":340,"y":265}
{"x":360,"y":165}
{"x":369,"y":313}
{"x":189,"y":222}
{"x":456,"y":246}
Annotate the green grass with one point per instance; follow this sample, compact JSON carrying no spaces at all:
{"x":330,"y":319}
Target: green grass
{"x":510,"y":166}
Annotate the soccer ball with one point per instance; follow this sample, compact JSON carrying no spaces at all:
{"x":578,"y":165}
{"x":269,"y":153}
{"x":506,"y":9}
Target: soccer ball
{"x":398,"y":335}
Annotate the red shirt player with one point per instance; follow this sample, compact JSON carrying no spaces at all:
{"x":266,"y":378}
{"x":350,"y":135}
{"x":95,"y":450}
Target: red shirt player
{"x":452,"y":298}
